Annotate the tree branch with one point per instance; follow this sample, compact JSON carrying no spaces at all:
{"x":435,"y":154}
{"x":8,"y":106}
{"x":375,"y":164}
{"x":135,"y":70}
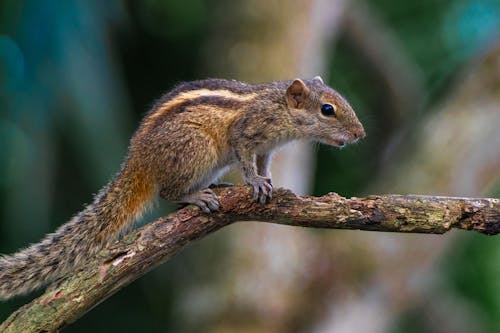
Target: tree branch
{"x":143,"y":249}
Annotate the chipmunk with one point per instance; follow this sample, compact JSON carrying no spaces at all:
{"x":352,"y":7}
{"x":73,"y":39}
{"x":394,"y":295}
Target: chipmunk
{"x":191,"y":136}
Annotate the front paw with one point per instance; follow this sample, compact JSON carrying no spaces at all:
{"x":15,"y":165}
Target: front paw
{"x":262,"y":188}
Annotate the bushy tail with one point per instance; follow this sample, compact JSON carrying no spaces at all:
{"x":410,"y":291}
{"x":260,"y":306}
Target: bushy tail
{"x":114,"y":208}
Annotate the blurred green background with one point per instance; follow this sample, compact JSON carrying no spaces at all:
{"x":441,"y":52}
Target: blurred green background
{"x":77,"y":76}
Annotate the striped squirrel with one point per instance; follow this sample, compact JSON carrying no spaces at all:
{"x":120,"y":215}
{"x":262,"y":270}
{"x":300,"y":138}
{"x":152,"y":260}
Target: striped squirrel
{"x":190,"y":137}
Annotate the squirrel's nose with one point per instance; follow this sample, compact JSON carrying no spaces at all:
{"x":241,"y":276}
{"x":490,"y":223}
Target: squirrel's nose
{"x":359,"y":132}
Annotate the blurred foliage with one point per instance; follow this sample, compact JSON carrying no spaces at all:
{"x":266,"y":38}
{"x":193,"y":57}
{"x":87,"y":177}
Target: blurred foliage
{"x":77,"y":76}
{"x":472,"y":276}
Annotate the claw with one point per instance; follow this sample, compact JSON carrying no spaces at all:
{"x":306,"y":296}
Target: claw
{"x":262,"y":189}
{"x":213,"y":205}
{"x":255,"y":192}
{"x":205,"y":199}
{"x":202,"y":205}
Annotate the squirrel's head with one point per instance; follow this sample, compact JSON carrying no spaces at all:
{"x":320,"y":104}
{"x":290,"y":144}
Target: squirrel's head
{"x":322,"y":114}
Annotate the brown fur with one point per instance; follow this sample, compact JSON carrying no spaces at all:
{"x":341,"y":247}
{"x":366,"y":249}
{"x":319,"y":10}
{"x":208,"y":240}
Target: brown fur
{"x":191,"y":135}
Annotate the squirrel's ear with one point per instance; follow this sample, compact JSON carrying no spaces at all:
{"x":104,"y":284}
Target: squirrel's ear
{"x":296,"y":94}
{"x":318,"y":78}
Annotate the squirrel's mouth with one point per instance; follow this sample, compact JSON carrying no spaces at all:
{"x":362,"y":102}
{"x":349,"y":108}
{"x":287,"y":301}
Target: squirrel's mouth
{"x":338,"y":143}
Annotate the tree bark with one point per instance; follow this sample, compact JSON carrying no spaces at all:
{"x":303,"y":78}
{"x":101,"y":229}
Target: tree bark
{"x":142,"y":250}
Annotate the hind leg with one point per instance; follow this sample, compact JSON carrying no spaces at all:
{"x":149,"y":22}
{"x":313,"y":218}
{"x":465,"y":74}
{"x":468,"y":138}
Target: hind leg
{"x":195,"y":189}
{"x":191,"y":165}
{"x":205,"y":199}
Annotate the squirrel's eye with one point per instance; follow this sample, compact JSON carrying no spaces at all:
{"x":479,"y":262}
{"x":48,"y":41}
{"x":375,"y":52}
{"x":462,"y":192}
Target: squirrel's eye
{"x":328,"y":110}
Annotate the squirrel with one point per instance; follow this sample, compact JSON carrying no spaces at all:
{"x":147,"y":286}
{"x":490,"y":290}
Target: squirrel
{"x":192,"y":135}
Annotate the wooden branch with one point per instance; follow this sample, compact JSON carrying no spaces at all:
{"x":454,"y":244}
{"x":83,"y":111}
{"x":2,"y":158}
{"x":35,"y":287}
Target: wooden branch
{"x":142,"y":250}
